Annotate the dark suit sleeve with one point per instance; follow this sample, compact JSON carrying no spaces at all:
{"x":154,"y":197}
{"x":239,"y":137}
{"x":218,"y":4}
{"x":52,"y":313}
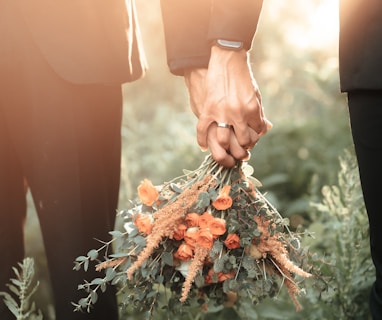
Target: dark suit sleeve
{"x":190,"y":26}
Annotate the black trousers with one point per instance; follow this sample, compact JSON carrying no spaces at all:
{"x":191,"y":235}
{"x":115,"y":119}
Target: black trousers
{"x":366,"y":121}
{"x":63,"y":142}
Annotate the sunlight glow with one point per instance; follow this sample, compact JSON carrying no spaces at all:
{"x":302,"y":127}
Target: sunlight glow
{"x":321,"y":28}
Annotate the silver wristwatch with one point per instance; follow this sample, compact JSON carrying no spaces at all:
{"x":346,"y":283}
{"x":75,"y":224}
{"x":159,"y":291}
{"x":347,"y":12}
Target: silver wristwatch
{"x":229,"y":45}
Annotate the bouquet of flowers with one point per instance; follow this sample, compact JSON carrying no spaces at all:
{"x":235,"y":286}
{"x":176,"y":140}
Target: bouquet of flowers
{"x":206,"y":238}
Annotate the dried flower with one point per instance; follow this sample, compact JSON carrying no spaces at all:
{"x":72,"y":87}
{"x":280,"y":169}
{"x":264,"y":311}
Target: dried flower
{"x":196,"y":265}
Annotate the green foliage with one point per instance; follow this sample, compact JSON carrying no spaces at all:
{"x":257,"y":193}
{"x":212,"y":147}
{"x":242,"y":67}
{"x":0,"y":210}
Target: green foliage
{"x":341,"y":236}
{"x":346,"y":242}
{"x":289,"y":156}
{"x":23,"y":287}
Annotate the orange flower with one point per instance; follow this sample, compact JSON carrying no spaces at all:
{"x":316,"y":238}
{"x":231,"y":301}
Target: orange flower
{"x":232,"y":241}
{"x":192,"y":220}
{"x":191,"y":235}
{"x":209,"y":276}
{"x":184,"y":253}
{"x":225,"y":276}
{"x":217,"y":226}
{"x":147,"y":192}
{"x":205,"y":238}
{"x":144,"y":223}
{"x":204,"y":219}
{"x":223,"y":200}
{"x":213,"y":277}
{"x":179,"y":233}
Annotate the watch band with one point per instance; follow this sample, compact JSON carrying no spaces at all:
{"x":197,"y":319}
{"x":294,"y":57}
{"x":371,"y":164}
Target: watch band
{"x":229,"y":45}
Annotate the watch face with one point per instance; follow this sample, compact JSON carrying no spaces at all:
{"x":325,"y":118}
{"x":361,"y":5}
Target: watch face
{"x":226,"y":44}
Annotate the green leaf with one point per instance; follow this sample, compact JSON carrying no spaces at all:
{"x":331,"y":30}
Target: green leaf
{"x":159,"y":279}
{"x":116,"y":234}
{"x":81,"y":258}
{"x":168,"y":259}
{"x":93,"y":297}
{"x":140,"y":241}
{"x":77,"y":266}
{"x":203,"y":201}
{"x":174,"y":187}
{"x":110,"y":274}
{"x":83,"y":303}
{"x":13,"y":307}
{"x":199,"y":281}
{"x":97,"y":281}
{"x":133,"y":233}
{"x":103,"y":286}
{"x":14,"y":289}
{"x":219,"y":264}
{"x":92,"y":254}
{"x":86,"y":265}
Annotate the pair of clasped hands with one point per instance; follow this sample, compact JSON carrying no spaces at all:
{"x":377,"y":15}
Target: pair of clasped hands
{"x":226,"y":93}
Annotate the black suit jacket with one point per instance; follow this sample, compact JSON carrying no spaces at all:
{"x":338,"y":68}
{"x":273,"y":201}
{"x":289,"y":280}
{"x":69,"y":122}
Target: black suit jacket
{"x":360,"y":54}
{"x":87,"y":41}
{"x":191,"y":26}
{"x":98,"y":41}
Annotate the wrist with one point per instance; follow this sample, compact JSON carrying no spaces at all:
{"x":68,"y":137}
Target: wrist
{"x":221,"y":55}
{"x":194,"y":74}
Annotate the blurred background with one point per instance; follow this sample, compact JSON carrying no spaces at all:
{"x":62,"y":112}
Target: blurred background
{"x":294,"y":60}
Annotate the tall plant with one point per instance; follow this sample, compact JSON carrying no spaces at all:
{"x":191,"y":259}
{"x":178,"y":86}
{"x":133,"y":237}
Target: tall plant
{"x":23,"y":287}
{"x":340,"y":231}
{"x":346,"y":242}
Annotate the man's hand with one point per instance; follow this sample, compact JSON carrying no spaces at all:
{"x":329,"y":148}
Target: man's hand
{"x":226,"y":92}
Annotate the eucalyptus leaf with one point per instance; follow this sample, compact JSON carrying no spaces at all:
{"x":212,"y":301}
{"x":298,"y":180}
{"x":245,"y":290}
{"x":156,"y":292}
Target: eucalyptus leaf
{"x":81,"y":258}
{"x":140,"y":241}
{"x":203,"y":201}
{"x":93,"y":254}
{"x":93,"y":297}
{"x":199,"y":280}
{"x":110,"y":274}
{"x":174,"y":187}
{"x":103,"y":286}
{"x":167,"y":259}
{"x":116,"y":234}
{"x":86,"y":265}
{"x":97,"y":281}
{"x":159,"y":279}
